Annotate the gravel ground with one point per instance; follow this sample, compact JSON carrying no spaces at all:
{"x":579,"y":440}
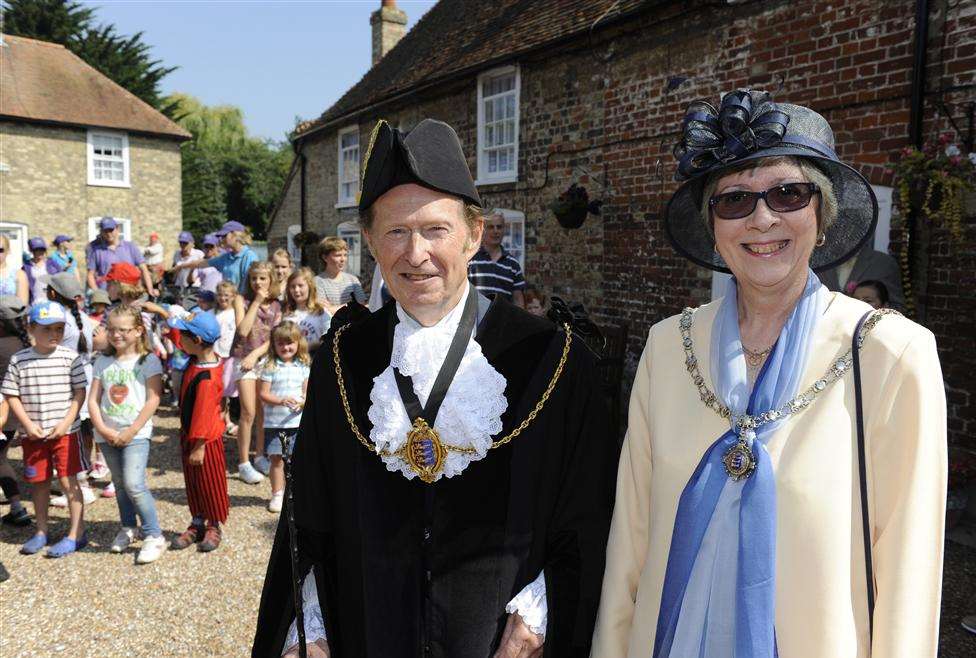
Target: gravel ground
{"x":95,"y":603}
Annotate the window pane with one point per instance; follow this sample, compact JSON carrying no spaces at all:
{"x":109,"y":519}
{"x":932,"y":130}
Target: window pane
{"x":350,"y":139}
{"x":503,"y":160}
{"x":499,"y":109}
{"x":492,"y":161}
{"x":489,"y":114}
{"x":509,"y":132}
{"x":510,"y":106}
{"x":506,"y":83}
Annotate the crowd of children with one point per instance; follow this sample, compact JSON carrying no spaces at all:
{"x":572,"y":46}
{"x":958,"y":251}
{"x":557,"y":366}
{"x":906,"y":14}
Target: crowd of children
{"x":84,"y":372}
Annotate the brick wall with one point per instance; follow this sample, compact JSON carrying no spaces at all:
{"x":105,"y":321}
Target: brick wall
{"x":46,"y":185}
{"x":596,"y":111}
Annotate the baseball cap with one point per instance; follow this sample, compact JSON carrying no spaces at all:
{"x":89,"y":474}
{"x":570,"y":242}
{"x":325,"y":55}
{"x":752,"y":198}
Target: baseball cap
{"x":66,"y":285}
{"x":230,"y":227}
{"x":202,"y":324}
{"x":99,"y":296}
{"x":11,"y":307}
{"x":36,"y":243}
{"x":206,"y":296}
{"x":47,"y":312}
{"x":107,"y":224}
{"x":61,"y":238}
{"x":211,"y":239}
{"x":123,"y":273}
{"x":184,"y":236}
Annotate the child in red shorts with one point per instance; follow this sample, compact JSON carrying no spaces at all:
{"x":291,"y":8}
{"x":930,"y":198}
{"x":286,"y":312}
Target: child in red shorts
{"x":201,"y":432}
{"x":45,"y":387}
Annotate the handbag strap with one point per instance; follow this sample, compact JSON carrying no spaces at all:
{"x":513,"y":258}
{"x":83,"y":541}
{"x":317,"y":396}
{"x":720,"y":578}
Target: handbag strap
{"x":862,"y":475}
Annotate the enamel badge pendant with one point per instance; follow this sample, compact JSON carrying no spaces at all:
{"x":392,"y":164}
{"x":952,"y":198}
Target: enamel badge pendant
{"x":424,"y":451}
{"x":739,"y":461}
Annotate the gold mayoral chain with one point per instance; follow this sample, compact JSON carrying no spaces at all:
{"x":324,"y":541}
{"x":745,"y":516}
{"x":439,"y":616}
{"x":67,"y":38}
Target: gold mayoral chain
{"x":424,"y":450}
{"x":739,"y":460}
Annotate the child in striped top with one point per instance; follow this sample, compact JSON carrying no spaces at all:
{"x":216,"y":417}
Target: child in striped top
{"x":45,"y":387}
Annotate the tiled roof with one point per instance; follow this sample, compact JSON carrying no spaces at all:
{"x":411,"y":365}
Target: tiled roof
{"x":459,"y":35}
{"x":41,"y":81}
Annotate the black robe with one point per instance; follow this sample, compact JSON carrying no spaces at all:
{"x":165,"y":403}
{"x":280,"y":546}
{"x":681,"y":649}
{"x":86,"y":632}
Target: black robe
{"x":407,"y":569}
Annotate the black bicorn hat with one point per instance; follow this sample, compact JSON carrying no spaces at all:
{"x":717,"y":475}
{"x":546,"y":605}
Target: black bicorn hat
{"x":748,"y":125}
{"x":429,"y":155}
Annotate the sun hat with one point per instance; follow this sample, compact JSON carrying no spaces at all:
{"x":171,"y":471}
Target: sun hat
{"x":47,"y":312}
{"x":36,"y":243}
{"x":748,"y":126}
{"x":66,"y":285}
{"x":123,"y":273}
{"x":11,"y":307}
{"x":99,"y":296}
{"x":201,"y":324}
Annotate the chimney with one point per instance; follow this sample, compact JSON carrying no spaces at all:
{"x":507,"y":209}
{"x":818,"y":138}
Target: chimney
{"x":389,"y":25}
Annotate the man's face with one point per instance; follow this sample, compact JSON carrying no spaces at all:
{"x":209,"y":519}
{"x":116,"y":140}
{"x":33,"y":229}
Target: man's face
{"x":494,"y":231}
{"x":110,"y":235}
{"x":422,"y":244}
{"x":185,"y":247}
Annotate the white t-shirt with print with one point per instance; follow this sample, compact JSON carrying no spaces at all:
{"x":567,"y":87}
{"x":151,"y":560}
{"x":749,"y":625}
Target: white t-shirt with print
{"x":313,"y":327}
{"x":228,"y":327}
{"x":124,"y":390}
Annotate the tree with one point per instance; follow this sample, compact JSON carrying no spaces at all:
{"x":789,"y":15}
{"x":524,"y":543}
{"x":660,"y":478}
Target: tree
{"x":125,"y":60}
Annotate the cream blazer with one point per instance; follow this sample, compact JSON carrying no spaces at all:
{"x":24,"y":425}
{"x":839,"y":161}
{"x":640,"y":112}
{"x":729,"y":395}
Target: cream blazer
{"x":821,"y":602}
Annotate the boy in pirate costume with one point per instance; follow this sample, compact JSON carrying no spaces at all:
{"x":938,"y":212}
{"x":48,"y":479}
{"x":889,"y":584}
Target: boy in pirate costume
{"x":453,"y":475}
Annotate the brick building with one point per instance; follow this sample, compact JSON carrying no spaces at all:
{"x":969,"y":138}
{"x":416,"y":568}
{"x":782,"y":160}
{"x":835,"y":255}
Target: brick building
{"x":545,"y":94}
{"x":75,"y":146}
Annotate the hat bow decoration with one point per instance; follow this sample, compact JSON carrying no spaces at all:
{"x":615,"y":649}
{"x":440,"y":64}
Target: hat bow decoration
{"x":745,"y":123}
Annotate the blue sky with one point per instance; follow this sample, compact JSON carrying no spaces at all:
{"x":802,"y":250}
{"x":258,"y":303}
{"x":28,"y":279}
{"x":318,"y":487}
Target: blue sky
{"x":274,"y":59}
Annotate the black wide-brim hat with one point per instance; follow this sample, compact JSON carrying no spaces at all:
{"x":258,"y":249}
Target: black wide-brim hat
{"x":429,"y":155}
{"x":749,"y":126}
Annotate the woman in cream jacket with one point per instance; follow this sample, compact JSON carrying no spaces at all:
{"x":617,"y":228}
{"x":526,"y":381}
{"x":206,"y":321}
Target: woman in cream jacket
{"x":741,"y":535}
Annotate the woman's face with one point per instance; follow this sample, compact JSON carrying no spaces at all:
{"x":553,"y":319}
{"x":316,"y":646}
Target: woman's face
{"x":335,"y":261}
{"x":282,"y":267}
{"x":767,"y":250}
{"x":298,"y":290}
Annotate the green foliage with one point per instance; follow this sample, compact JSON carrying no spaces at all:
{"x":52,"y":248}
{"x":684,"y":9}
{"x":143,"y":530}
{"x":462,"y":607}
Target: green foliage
{"x":226,"y":173}
{"x":125,"y":60}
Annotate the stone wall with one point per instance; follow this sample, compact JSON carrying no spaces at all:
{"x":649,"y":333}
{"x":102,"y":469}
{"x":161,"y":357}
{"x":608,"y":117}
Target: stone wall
{"x":46,"y":186}
{"x":599,"y":112}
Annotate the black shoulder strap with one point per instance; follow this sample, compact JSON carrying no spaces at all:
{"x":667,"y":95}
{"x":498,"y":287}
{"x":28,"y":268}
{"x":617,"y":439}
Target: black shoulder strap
{"x":862,"y":474}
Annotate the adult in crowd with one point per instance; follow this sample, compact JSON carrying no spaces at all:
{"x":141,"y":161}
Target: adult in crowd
{"x":494,"y":271}
{"x":110,"y":248}
{"x":333,"y":285}
{"x":187,"y":253}
{"x":873,"y":293}
{"x":153,"y":253}
{"x":38,"y":269}
{"x":209,"y":277}
{"x":64,"y":257}
{"x":867,"y":264}
{"x":432,"y":533}
{"x":738,"y":525}
{"x":234,"y":263}
{"x":13,"y":278}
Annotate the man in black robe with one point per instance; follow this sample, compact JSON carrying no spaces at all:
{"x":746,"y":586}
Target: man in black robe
{"x":486,"y":537}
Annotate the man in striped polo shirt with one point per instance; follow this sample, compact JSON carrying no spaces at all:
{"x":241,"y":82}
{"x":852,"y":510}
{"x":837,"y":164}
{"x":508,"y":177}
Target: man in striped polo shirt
{"x":493,"y":271}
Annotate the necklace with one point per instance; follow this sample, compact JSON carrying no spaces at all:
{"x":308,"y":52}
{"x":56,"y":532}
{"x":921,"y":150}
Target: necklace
{"x":739,"y":460}
{"x":755,"y":359}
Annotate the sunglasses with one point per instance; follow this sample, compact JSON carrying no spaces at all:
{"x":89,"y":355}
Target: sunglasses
{"x":786,"y":197}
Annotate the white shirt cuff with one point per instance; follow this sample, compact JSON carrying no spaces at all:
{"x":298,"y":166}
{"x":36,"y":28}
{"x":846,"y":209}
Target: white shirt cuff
{"x":531,"y":605}
{"x":314,"y":623}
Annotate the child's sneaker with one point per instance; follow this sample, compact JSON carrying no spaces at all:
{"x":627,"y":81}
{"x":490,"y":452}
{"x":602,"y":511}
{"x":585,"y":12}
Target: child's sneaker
{"x":122,"y":540}
{"x":277,"y":498}
{"x":34,"y":544}
{"x":190,"y":536}
{"x":19,"y":517}
{"x":87,"y":495}
{"x":99,"y":471}
{"x":67,"y":546}
{"x":248,"y":473}
{"x":262,"y":464}
{"x":109,"y":491}
{"x":211,"y":540}
{"x":152,"y":548}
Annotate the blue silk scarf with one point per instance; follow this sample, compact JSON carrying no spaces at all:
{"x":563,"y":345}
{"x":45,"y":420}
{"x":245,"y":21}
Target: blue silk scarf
{"x":719,"y":587}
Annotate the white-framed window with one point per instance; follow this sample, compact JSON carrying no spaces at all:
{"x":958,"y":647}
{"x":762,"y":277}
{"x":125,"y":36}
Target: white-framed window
{"x":17,"y":235}
{"x":498,"y":125}
{"x":125,"y":226}
{"x":350,"y":232}
{"x":348,"y":141}
{"x":514,"y":240}
{"x":108,"y":159}
{"x":293,"y":249}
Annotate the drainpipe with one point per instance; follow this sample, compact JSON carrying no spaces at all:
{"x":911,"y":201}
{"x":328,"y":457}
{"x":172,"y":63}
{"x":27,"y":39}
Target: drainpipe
{"x":301,"y":191}
{"x":918,"y":236}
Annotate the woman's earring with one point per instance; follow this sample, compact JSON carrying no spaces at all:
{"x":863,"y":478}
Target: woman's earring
{"x":821,"y":239}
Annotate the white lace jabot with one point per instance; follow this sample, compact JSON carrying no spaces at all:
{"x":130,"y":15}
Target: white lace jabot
{"x":472,"y":410}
